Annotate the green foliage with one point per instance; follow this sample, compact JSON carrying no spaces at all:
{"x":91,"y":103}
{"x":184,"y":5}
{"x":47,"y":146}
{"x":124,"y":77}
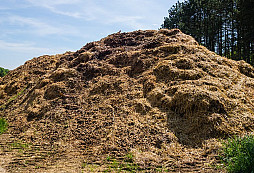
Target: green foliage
{"x":117,"y":165}
{"x":129,"y":158}
{"x":90,"y":167}
{"x":122,"y":164}
{"x":19,"y":145}
{"x":238,"y":154}
{"x":3,"y":71}
{"x":225,"y":27}
{"x":3,"y":125}
{"x":108,"y":158}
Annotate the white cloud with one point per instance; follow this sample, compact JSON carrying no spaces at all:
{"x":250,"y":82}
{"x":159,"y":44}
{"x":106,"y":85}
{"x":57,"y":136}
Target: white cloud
{"x":53,"y":6}
{"x":53,"y":2}
{"x":65,"y":13}
{"x":108,"y":12}
{"x":41,"y":27}
{"x":26,"y":47}
{"x":87,"y":10}
{"x":132,"y":21}
{"x":68,"y":23}
{"x":113,"y":13}
{"x":38,"y":27}
{"x":14,"y":54}
{"x":4,"y":8}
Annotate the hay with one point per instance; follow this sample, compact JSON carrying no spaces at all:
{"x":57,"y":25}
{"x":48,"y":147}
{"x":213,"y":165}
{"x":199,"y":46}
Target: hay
{"x":156,"y":93}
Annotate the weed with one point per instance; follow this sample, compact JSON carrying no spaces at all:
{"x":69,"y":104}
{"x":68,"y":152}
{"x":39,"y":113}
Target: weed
{"x":3,"y":125}
{"x":129,"y":158}
{"x":84,"y":165}
{"x":90,"y":167}
{"x":159,"y":170}
{"x":127,"y":164}
{"x":216,"y":166}
{"x":21,"y":146}
{"x":108,"y":158}
{"x":238,"y":154}
{"x":131,"y":167}
{"x":37,"y":166}
{"x":115,"y":164}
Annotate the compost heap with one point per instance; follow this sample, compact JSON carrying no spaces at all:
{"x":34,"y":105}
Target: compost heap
{"x":156,"y":94}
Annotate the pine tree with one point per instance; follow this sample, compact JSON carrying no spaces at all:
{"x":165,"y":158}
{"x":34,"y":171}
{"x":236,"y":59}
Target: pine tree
{"x":225,"y":27}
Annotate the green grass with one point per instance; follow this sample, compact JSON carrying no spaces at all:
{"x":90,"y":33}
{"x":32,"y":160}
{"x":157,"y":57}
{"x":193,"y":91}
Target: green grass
{"x":238,"y":154}
{"x":90,"y":167}
{"x":19,"y":145}
{"x":3,"y":125}
{"x":123,"y":164}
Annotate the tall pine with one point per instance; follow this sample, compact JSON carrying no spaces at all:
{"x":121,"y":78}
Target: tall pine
{"x":223,"y":26}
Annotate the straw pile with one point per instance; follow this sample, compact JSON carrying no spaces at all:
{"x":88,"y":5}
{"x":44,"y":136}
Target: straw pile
{"x":156,"y":94}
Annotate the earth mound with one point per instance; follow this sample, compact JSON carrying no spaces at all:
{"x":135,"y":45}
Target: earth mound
{"x":156,"y":94}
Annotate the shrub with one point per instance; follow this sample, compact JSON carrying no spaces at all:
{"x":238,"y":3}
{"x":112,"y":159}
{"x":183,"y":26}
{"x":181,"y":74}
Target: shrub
{"x":3,"y":71}
{"x":3,"y":125}
{"x":238,"y":154}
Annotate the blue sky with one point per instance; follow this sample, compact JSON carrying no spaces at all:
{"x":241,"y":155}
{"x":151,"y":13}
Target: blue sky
{"x":30,"y":28}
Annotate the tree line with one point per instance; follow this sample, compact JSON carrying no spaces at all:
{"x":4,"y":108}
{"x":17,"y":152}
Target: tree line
{"x":3,"y":71}
{"x":223,"y":26}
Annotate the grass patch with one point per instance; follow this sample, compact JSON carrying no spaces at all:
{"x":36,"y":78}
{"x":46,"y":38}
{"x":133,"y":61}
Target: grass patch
{"x":3,"y":125}
{"x":19,"y":146}
{"x":123,"y":164}
{"x":238,"y":154}
{"x":90,"y":167}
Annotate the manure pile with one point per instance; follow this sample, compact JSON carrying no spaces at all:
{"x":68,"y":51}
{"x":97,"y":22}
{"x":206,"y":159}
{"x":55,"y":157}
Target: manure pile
{"x":155,"y":95}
